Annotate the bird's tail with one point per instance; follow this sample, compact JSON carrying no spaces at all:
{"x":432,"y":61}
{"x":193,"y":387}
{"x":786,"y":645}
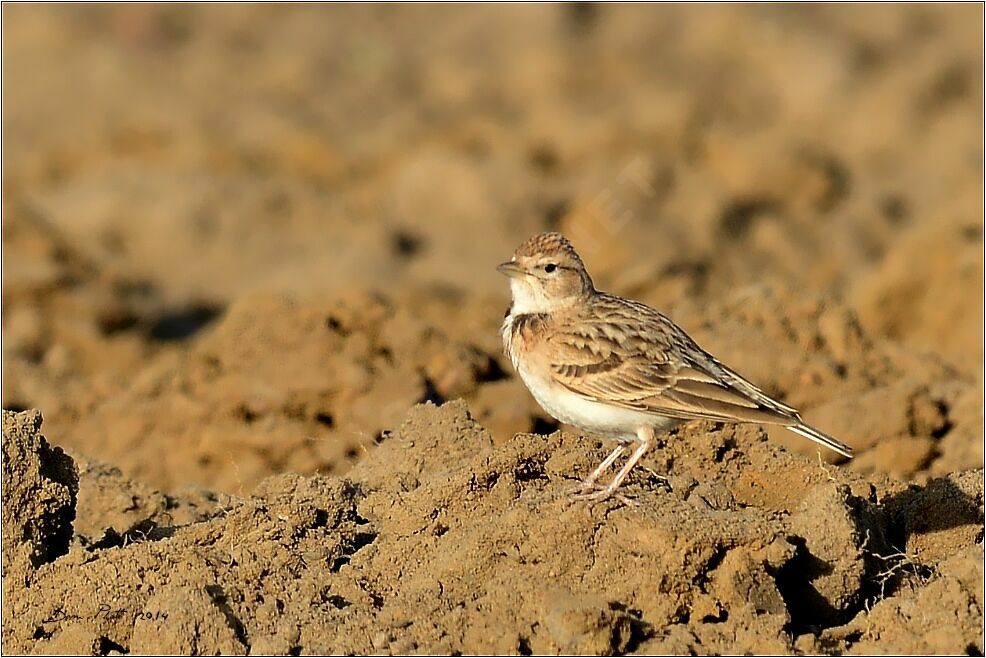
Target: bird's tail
{"x":821,"y":438}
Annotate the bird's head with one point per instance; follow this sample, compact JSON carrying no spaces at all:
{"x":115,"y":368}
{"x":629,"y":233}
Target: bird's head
{"x":546,"y":274}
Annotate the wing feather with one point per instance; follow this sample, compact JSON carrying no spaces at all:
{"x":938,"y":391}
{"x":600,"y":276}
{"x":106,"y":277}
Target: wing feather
{"x":635,"y":357}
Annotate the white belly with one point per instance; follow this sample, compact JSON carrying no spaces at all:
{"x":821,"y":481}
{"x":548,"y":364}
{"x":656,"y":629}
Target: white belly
{"x":572,"y":409}
{"x":610,"y":420}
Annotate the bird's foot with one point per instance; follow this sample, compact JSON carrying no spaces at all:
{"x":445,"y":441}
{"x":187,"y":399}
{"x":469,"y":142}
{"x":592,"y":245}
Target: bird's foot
{"x":595,"y":493}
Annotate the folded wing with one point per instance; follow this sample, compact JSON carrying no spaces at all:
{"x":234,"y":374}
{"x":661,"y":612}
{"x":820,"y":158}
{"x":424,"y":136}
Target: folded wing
{"x":649,"y":364}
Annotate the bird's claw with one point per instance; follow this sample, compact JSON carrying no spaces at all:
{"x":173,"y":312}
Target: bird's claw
{"x":595,"y":493}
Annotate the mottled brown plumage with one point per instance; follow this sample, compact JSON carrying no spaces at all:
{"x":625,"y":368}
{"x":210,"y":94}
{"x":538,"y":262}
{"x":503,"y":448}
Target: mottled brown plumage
{"x":628,"y":354}
{"x":618,"y":367}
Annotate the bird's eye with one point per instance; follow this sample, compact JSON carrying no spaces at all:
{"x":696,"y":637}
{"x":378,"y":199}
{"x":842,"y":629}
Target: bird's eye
{"x":550,"y":267}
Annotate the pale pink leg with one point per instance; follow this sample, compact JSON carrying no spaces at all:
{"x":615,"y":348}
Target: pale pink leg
{"x":587,"y":484}
{"x":646,"y":436}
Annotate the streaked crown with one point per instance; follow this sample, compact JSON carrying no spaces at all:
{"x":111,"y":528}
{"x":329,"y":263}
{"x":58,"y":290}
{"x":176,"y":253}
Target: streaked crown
{"x":550,"y":244}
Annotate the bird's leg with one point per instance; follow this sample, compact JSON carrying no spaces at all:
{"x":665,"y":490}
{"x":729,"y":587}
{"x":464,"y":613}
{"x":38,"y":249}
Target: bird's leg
{"x":646,"y":437}
{"x":589,"y":483}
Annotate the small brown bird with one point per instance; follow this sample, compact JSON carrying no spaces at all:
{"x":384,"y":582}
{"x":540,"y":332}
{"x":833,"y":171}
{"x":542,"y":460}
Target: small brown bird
{"x":616,"y":367}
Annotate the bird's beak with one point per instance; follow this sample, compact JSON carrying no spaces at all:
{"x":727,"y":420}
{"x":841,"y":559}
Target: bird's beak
{"x":510,"y":268}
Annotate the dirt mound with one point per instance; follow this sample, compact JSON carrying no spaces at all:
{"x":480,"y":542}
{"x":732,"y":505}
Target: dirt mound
{"x":40,"y":487}
{"x":241,"y":243}
{"x":443,"y":542}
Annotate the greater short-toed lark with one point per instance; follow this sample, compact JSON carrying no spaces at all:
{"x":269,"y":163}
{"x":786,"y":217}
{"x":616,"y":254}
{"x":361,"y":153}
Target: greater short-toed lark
{"x":616,"y":367}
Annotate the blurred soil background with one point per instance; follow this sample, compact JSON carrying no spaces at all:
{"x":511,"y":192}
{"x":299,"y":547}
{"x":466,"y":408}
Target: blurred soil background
{"x":245,"y":241}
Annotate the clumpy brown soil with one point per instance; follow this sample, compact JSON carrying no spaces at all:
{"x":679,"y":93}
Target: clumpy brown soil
{"x":248,"y":280}
{"x":445,"y":542}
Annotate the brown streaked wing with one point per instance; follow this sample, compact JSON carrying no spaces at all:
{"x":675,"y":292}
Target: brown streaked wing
{"x":657,"y":369}
{"x":596,"y":363}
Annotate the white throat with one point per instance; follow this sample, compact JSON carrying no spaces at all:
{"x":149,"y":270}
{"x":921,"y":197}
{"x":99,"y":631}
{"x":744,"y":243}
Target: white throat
{"x":527,"y":299}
